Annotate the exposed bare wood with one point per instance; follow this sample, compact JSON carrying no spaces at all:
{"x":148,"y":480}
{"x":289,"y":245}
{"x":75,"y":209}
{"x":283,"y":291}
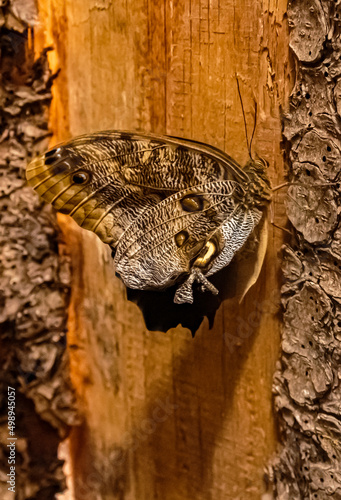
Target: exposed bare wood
{"x":167,"y":416}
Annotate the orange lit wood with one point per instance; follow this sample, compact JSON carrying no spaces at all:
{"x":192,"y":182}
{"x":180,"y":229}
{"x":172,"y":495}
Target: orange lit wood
{"x":166,"y":416}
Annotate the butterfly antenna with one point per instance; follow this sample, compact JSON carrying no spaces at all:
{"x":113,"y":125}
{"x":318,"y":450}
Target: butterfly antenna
{"x":244,"y":118}
{"x":254,"y":130}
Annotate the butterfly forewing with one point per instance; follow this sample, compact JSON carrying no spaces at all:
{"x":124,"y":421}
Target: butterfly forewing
{"x":127,"y":173}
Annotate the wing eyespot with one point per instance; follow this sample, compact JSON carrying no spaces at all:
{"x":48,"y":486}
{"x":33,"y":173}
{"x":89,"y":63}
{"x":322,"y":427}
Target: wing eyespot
{"x":181,"y":238}
{"x":49,"y":160}
{"x":207,"y":254}
{"x":81,"y":177}
{"x":52,"y":152}
{"x":192,"y":203}
{"x":52,"y":155}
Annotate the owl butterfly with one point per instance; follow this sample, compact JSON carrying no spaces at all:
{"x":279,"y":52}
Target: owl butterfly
{"x":174,"y":211}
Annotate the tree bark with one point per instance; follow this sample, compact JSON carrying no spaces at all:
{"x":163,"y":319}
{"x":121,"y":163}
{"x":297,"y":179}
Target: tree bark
{"x":167,"y":416}
{"x":37,"y":404}
{"x":307,"y":385}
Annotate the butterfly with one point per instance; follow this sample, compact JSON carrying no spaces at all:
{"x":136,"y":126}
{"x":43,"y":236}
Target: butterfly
{"x":174,"y":211}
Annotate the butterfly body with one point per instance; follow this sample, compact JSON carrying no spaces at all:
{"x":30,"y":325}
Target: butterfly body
{"x":172,"y":210}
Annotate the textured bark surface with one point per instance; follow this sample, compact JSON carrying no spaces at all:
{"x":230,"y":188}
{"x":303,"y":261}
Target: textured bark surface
{"x":167,"y":416}
{"x":34,"y":281}
{"x":307,"y":385}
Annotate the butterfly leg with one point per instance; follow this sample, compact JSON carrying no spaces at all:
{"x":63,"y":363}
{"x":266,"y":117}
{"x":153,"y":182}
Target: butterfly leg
{"x":272,"y":219}
{"x":185,"y":292}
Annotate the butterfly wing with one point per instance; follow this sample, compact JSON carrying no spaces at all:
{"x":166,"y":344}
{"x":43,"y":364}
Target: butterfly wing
{"x":164,"y":204}
{"x":105,"y":180}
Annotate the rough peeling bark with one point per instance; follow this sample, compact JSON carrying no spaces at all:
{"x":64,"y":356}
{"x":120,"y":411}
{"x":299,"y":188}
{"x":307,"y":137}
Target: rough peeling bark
{"x":34,"y":280}
{"x":308,"y":382}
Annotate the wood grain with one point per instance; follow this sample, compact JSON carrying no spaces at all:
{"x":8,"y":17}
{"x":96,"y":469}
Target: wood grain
{"x":166,"y":416}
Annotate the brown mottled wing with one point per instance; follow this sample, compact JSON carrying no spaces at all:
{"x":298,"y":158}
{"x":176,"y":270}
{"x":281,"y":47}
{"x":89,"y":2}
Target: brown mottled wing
{"x":127,"y":173}
{"x":148,"y":255}
{"x":171,"y":208}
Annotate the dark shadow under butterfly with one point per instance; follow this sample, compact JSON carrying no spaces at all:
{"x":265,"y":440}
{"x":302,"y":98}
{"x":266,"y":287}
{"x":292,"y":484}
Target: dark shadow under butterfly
{"x":175,"y":212}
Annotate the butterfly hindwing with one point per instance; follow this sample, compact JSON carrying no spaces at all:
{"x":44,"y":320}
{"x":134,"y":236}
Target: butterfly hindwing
{"x":165,"y":240}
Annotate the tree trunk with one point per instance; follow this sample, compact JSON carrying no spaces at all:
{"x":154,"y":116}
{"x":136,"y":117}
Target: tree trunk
{"x":307,"y":384}
{"x":36,"y":404}
{"x":167,"y":416}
